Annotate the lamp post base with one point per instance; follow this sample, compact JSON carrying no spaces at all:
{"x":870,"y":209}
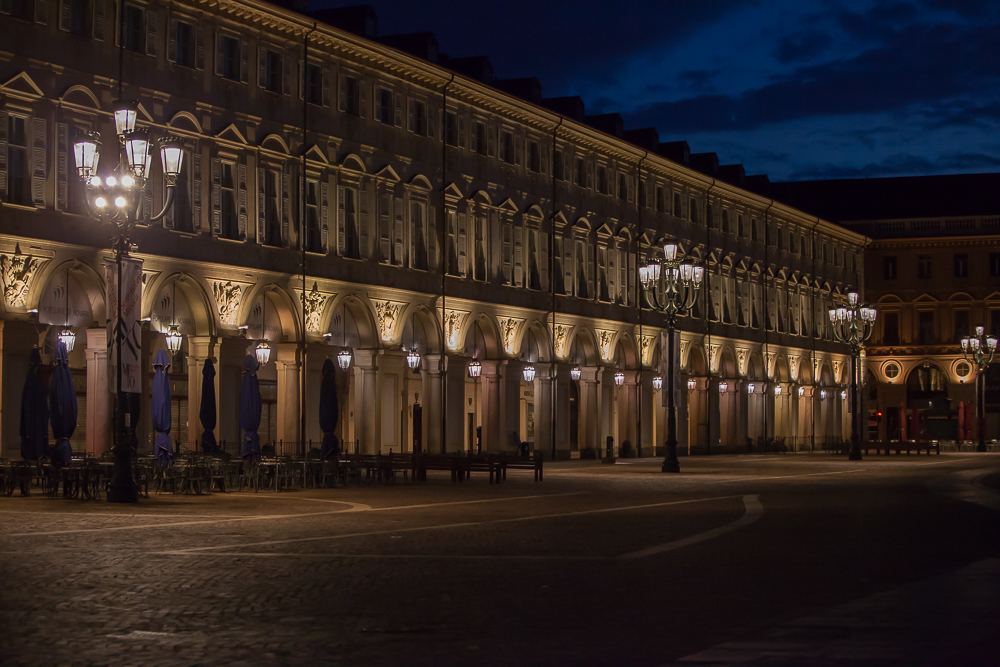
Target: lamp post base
{"x":855,"y":455}
{"x":123,"y":494}
{"x":671,"y":466}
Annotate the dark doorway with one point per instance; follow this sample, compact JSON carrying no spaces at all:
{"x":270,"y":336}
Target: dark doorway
{"x":574,"y":415}
{"x":470,"y":431}
{"x":418,"y":424}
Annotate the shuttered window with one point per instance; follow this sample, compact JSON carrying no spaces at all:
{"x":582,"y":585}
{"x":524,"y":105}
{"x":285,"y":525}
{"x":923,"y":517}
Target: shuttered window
{"x":231,"y":57}
{"x":18,"y":175}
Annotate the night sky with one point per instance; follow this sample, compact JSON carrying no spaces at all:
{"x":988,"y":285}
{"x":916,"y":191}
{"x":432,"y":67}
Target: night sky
{"x":797,"y":89}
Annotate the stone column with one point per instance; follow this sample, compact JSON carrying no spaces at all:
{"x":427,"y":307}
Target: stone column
{"x":742,"y":414}
{"x":608,"y":411}
{"x":510,"y":404}
{"x":543,"y":408}
{"x":561,"y":416}
{"x":199,"y":348}
{"x":713,"y":415}
{"x":98,"y":398}
{"x":431,"y":375}
{"x":367,"y":406}
{"x":628,"y":413}
{"x":492,"y":400}
{"x":455,"y":405}
{"x":590,"y":410}
{"x":287,"y":367}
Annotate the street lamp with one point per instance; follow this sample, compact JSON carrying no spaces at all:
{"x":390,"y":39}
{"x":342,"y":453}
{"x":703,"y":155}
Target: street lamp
{"x":982,"y":349}
{"x":575,"y":373}
{"x":853,"y":325}
{"x":116,"y":200}
{"x":657,"y":382}
{"x":671,"y":287}
{"x":619,"y":379}
{"x":174,"y":340}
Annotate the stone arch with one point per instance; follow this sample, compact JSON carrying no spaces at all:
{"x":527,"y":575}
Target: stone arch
{"x":728,"y":368}
{"x":583,"y":347}
{"x":50,"y":304}
{"x":535,"y":347}
{"x":284,"y":307}
{"x":482,"y":197}
{"x":352,"y":162}
{"x":361,"y":315}
{"x":427,"y":320}
{"x":81,"y":91}
{"x":756,"y":371}
{"x":187,"y":118}
{"x":196,"y":300}
{"x":697,"y":361}
{"x":482,"y":338}
{"x":275,"y":139}
{"x":805,"y":371}
{"x":826,"y":374}
{"x":626,"y":351}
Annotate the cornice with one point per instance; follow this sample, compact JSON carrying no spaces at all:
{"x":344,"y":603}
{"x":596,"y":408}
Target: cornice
{"x":936,"y":242}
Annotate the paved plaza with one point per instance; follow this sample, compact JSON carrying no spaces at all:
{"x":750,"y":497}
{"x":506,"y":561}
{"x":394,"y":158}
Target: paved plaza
{"x":750,"y":559}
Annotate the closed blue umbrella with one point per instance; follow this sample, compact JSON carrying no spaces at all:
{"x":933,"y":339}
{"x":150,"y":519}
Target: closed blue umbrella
{"x":160,"y":408}
{"x":34,"y":411}
{"x":329,"y":411}
{"x":62,"y":404}
{"x":207,"y":411}
{"x":250,"y":409}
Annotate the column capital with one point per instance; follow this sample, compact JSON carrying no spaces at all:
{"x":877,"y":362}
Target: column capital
{"x":366,"y":360}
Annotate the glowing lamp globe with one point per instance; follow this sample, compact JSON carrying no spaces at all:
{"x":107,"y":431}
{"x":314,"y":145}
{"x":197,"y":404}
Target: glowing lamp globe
{"x":174,"y":339}
{"x":263,"y":352}
{"x":619,"y":379}
{"x":528,"y":373}
{"x":413,"y":359}
{"x":657,"y":383}
{"x":575,"y":373}
{"x":344,"y":359}
{"x":475,"y":369}
{"x":68,"y":338}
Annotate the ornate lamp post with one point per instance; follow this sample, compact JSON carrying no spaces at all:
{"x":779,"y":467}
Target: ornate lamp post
{"x":982,"y":349}
{"x":671,"y":287}
{"x":853,"y":325}
{"x":116,"y":200}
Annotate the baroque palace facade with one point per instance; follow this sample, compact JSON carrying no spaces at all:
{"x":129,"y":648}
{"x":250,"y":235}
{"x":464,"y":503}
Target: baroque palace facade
{"x":421,"y":208}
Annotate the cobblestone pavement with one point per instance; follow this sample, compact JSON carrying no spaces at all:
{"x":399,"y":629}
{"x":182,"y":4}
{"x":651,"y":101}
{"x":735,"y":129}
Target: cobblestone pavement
{"x":596,"y":565}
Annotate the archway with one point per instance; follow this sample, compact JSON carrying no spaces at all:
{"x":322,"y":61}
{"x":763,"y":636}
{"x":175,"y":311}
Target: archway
{"x":697,"y":384}
{"x":927,"y":396}
{"x":535,"y":397}
{"x":730,"y":428}
{"x":481,"y":365}
{"x":582,"y":363}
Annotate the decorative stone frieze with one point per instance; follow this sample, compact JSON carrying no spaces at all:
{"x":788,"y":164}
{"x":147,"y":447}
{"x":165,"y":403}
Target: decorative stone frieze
{"x":313,"y":303}
{"x":509,"y":326}
{"x":387,"y":316}
{"x":742,"y":355}
{"x":17,"y":270}
{"x":453,"y":321}
{"x":227,"y":297}
{"x":605,"y":339}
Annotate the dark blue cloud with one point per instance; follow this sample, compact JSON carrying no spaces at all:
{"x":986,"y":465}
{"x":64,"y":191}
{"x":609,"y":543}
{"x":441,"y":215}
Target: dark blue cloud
{"x":803,"y":46}
{"x":903,"y":164}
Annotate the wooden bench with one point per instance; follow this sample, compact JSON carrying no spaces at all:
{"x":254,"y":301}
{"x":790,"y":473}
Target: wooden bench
{"x":424,"y":462}
{"x":899,"y":446}
{"x":533,"y":463}
{"x":484,"y":463}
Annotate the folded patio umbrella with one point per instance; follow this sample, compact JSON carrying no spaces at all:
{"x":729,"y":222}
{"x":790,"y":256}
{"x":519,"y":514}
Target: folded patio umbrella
{"x":62,"y":404}
{"x":207,"y":411}
{"x":915,"y":425}
{"x":329,"y":411}
{"x":250,"y":409}
{"x":902,"y":422}
{"x":961,"y":421}
{"x":34,"y":411}
{"x":163,"y":448}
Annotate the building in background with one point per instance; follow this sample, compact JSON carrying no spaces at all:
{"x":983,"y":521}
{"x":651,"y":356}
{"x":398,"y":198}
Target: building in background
{"x":435,"y":207}
{"x":932,"y":268}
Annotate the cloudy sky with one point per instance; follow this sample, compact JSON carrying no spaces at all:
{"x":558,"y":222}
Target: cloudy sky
{"x":797,"y":89}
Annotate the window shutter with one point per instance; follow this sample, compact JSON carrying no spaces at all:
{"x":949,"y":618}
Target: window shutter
{"x":590,"y":175}
{"x":568,"y":267}
{"x":286,"y":77}
{"x":242,"y":216}
{"x":169,"y":219}
{"x":199,"y":48}
{"x":261,"y":66}
{"x":286,"y":205}
{"x":362,"y":99}
{"x":99,"y":20}
{"x":398,"y":232}
{"x":432,"y":238}
{"x":492,"y":140}
{"x":411,"y":124}
{"x":461,"y":132}
{"x":502,"y":156}
{"x":244,"y":61}
{"x":630,"y":184}
{"x":326,"y":86}
{"x":324,"y":215}
{"x":150,"y":33}
{"x":196,"y":189}
{"x":398,"y":100}
{"x":463,"y":246}
{"x":147,"y":203}
{"x":261,"y":204}
{"x":65,"y":7}
{"x":172,"y":41}
{"x":545,"y":160}
{"x":543,"y":260}
{"x":363,"y":195}
{"x":518,"y":257}
{"x":590,"y":270}
{"x":517,"y":150}
{"x":384,"y":229}
{"x":302,"y":80}
{"x":62,"y":165}
{"x":611,"y":271}
{"x":42,"y":12}
{"x":3,"y":151}
{"x":216,"y":196}
{"x":341,"y":222}
{"x":342,"y":92}
{"x":508,"y":242}
{"x":413,"y":238}
{"x":625,"y":262}
{"x":38,"y":166}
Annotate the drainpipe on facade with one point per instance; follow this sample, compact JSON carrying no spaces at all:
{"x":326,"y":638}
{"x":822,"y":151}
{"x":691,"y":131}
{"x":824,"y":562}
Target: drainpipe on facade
{"x":553,"y":385}
{"x":812,"y":289}
{"x":767,"y":314}
{"x":708,"y":324}
{"x":442,"y":251}
{"x":638,"y":303}
{"x":302,"y":243}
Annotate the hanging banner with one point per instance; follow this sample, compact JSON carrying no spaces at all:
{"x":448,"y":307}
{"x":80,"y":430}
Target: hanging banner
{"x":665,"y":367}
{"x":130,"y":329}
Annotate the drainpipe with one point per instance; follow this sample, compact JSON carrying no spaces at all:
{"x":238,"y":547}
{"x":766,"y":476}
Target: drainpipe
{"x":812,"y":289}
{"x":638,"y":301}
{"x":552,"y":286}
{"x":302,"y":243}
{"x":767,"y":312}
{"x":442,"y":250}
{"x":708,"y":323}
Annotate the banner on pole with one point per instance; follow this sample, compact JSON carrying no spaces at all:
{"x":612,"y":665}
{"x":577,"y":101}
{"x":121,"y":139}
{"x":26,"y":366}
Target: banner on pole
{"x":128,"y":332}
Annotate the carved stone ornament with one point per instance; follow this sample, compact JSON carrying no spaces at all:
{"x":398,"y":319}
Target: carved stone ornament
{"x":313,"y":303}
{"x":646,"y":348}
{"x":771,"y":356}
{"x":562,"y":340}
{"x":793,"y":367}
{"x":17,"y":271}
{"x":836,"y":369}
{"x":816,"y":362}
{"x":386,"y":313}
{"x":714,"y":349}
{"x":604,"y":340}
{"x":453,"y":320}
{"x":742,"y":354}
{"x":508,"y":332}
{"x":227,"y":296}
{"x":685,"y":349}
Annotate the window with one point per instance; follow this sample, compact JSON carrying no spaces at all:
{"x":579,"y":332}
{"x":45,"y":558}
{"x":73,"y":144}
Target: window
{"x":925,"y":327}
{"x":961,"y":266}
{"x":924,"y":267}
{"x":725,"y":221}
{"x":889,"y":268}
{"x":622,"y":187}
{"x":271,"y":70}
{"x":534,"y":157}
{"x":995,"y":322}
{"x":350,"y":91}
{"x":418,"y":240}
{"x":739,"y":226}
{"x":961,"y":325}
{"x":507,"y":147}
{"x":479,"y":137}
{"x":313,"y":240}
{"x":890,"y":328}
{"x":312,"y":84}
{"x":804,"y":246}
{"x":661,"y":200}
{"x":22,"y":9}
{"x":18,"y":175}
{"x":677,"y":206}
{"x":230,"y":58}
{"x":891,"y":370}
{"x":480,"y":233}
{"x":602,"y":180}
{"x":383,"y":106}
{"x":753,"y":229}
{"x":581,"y":172}
{"x":450,"y":128}
{"x":995,"y":264}
{"x":180,"y":215}
{"x":272,"y":208}
{"x":230,"y":228}
{"x":558,"y":171}
{"x":73,"y":17}
{"x":642,"y":193}
{"x":134,"y":30}
{"x":349,"y":211}
{"x":418,"y":117}
{"x":693,"y":210}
